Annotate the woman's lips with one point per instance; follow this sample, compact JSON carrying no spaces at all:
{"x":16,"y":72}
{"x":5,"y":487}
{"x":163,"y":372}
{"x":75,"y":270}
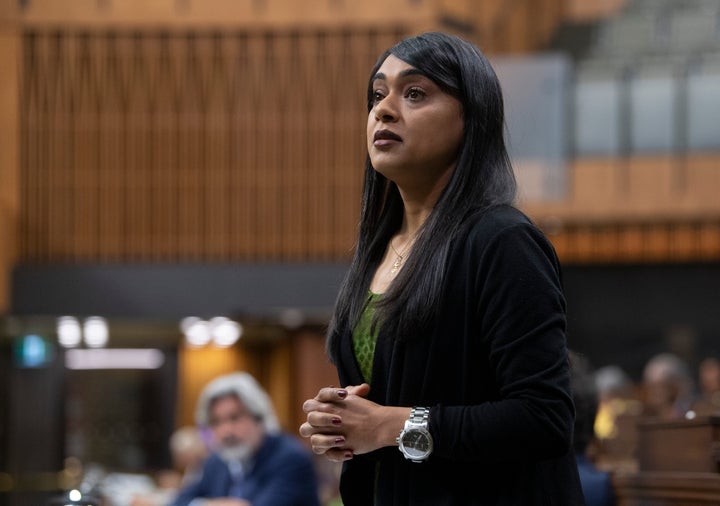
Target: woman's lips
{"x":385,"y":137}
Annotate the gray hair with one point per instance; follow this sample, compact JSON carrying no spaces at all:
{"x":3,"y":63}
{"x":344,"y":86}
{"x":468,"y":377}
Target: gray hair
{"x":250,"y":393}
{"x":667,"y":366}
{"x":612,"y":380}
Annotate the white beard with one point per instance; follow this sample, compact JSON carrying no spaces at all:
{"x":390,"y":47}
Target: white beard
{"x":235,"y":453}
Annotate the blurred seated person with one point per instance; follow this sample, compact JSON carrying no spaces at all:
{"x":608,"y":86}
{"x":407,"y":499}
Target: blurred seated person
{"x":709,"y":381}
{"x":596,"y":484}
{"x":616,"y":420}
{"x":251,"y":463}
{"x":188,"y":452}
{"x":668,"y":387}
{"x":617,"y":400}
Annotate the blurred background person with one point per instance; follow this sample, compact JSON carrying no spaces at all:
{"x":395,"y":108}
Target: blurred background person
{"x":615,"y":423}
{"x":596,"y":484}
{"x":616,"y":397}
{"x":252,"y":462}
{"x":188,"y":451}
{"x":708,"y":401}
{"x":668,"y":390}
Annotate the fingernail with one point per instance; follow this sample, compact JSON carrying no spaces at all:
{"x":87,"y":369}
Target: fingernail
{"x":342,"y":393}
{"x":336,"y":421}
{"x":339,"y":440}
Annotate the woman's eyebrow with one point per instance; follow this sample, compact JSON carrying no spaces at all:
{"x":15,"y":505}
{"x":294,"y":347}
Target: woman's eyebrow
{"x":407,"y":72}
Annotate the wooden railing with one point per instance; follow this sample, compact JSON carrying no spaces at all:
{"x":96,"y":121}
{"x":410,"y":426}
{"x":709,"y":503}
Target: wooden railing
{"x":637,"y":209}
{"x":678,"y":464}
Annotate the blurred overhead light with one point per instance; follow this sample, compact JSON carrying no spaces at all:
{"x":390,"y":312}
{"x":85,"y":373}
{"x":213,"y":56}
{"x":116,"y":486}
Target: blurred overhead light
{"x":95,"y":332}
{"x":68,"y":332}
{"x":224,"y":331}
{"x":196,"y":331}
{"x":220,"y":330}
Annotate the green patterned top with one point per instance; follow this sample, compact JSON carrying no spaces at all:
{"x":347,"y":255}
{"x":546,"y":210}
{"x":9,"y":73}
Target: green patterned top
{"x":364,"y":338}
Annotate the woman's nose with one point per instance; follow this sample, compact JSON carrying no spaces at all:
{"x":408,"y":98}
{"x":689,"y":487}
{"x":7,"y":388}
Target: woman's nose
{"x":386,"y":109}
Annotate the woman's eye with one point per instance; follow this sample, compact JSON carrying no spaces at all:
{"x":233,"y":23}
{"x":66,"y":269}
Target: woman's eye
{"x":415,"y":94}
{"x":377,"y":96}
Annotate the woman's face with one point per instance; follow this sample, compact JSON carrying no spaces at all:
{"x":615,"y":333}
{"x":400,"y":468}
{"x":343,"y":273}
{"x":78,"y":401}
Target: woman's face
{"x":414,"y":129}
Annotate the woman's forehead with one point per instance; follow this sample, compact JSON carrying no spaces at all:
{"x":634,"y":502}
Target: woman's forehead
{"x":393,"y":62}
{"x":394,"y":67}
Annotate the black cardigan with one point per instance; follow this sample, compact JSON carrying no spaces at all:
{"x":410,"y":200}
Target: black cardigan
{"x":494,"y":371}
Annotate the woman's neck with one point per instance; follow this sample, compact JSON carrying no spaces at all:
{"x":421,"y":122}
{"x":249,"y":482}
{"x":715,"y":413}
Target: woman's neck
{"x":418,"y":203}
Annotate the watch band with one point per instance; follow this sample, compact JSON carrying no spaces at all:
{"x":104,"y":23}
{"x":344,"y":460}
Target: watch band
{"x":419,"y":415}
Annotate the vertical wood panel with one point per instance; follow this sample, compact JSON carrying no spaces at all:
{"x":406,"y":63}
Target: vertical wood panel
{"x":194,"y":146}
{"x":83,"y":88}
{"x":683,"y":241}
{"x":244,"y":204}
{"x":279,"y":384}
{"x":631,"y":243}
{"x":294,"y":150}
{"x":710,"y":240}
{"x":217,"y":165}
{"x":10,"y":158}
{"x":311,"y":369}
{"x":62,"y":162}
{"x":606,"y":242}
{"x":109,"y":154}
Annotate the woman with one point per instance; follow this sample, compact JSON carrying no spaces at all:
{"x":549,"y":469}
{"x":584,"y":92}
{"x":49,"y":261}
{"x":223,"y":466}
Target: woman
{"x":450,"y":325}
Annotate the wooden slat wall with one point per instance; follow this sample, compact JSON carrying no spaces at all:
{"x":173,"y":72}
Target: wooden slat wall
{"x":194,"y":145}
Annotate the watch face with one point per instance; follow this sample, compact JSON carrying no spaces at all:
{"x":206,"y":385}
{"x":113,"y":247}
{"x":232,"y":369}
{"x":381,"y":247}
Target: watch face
{"x":417,"y":444}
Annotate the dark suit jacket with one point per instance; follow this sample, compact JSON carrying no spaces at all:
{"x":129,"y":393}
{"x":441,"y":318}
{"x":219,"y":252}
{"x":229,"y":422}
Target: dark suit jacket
{"x":494,"y":371}
{"x":596,"y":484}
{"x":282,"y":475}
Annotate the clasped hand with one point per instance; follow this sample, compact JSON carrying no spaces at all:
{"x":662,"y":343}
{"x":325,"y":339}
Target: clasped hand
{"x":341,"y":422}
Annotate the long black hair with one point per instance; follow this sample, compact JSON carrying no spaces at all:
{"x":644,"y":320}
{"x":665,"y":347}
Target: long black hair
{"x":482,"y":178}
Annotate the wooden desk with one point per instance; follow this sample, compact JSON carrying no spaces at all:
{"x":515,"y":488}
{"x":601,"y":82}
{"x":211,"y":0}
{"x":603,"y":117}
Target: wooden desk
{"x":679,"y":445}
{"x":678,"y":465}
{"x":664,"y":488}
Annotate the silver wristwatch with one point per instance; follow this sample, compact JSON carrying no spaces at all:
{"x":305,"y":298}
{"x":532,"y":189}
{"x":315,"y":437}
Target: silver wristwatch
{"x":415,"y":441}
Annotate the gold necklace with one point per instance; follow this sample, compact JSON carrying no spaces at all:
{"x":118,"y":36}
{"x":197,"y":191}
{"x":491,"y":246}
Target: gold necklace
{"x":399,"y":257}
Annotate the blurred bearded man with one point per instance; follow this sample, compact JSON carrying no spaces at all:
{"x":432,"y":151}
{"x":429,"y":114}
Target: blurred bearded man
{"x":252,"y":462}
